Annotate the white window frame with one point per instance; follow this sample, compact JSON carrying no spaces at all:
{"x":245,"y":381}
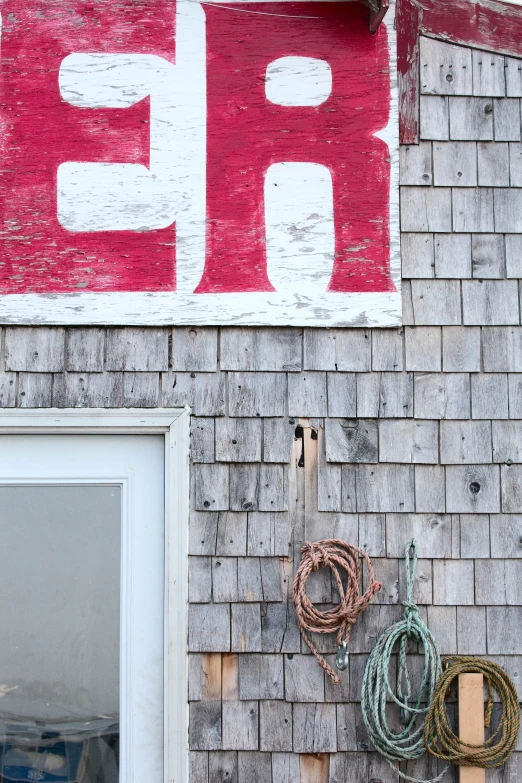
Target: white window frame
{"x":174,"y":425}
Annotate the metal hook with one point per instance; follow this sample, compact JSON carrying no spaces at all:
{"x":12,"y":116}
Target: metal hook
{"x":341,"y":659}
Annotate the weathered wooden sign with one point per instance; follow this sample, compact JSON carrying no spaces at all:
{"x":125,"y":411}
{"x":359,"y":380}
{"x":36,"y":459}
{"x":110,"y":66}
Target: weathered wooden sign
{"x":184,"y":162}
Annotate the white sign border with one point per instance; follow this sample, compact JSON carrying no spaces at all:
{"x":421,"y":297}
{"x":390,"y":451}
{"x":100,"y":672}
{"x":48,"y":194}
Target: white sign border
{"x":247,"y":309}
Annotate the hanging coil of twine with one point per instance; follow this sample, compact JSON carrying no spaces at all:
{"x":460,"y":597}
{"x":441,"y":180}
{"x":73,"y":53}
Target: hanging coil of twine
{"x":408,"y":744}
{"x":344,"y":560}
{"x":439,"y":738}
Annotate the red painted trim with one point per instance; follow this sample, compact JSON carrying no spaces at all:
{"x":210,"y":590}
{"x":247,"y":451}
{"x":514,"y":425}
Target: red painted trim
{"x":483,"y":24}
{"x":408,"y":21}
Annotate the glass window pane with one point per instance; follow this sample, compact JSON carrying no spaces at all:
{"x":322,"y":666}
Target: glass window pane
{"x":60,"y":620}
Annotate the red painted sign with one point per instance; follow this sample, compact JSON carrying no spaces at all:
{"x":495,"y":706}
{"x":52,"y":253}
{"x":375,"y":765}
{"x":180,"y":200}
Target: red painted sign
{"x":155,"y":146}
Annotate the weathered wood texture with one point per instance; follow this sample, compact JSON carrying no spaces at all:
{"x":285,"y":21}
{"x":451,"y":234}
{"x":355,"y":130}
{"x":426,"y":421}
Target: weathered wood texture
{"x":373,"y":436}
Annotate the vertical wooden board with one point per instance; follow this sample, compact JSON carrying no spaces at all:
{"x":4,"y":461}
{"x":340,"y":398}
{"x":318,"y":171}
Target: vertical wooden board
{"x":471,"y":721}
{"x":229,"y":677}
{"x":314,"y":768}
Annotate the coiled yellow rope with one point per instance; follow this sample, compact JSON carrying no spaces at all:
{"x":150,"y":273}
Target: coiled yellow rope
{"x":439,"y":738}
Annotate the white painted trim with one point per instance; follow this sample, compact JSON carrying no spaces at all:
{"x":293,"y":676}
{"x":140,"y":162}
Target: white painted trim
{"x":174,"y":425}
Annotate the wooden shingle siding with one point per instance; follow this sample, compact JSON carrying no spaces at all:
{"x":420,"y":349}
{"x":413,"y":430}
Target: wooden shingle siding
{"x":405,"y":433}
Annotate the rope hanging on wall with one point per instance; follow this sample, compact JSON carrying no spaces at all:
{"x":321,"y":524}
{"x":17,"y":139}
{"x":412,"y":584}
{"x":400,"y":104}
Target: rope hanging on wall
{"x":408,"y":744}
{"x":344,"y":560}
{"x":439,"y":738}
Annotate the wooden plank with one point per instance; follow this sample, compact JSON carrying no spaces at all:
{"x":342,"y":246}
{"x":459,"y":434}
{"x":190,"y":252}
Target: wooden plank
{"x":465,"y":442}
{"x":273,"y":493}
{"x":442,"y":396}
{"x":212,"y":487}
{"x":35,"y":390}
{"x":314,"y":768}
{"x":194,"y":349}
{"x":460,"y":349}
{"x":423,"y":348}
{"x":246,"y":628}
{"x":238,"y":440}
{"x":417,"y":255}
{"x":452,"y":255}
{"x":204,"y":392}
{"x":205,"y":726}
{"x":143,"y":350}
{"x":408,"y":17}
{"x":488,"y":74}
{"x":240,"y":725}
{"x":511,"y":481}
{"x":202,"y":433}
{"x":307,"y":394}
{"x":209,"y":628}
{"x":221,"y":766}
{"x":430,"y":489}
{"x":351,"y":440}
{"x":278,"y":434}
{"x":231,"y":534}
{"x":434,"y":530}
{"x":416,"y":164}
{"x":259,"y":350}
{"x":445,"y":69}
{"x":453,"y":583}
{"x":506,"y":117}
{"x":489,"y":398}
{"x":471,"y":119}
{"x":256,"y":394}
{"x":471,"y":630}
{"x":342,"y":397}
{"x":329,"y":479}
{"x":200,"y":580}
{"x":455,"y":164}
{"x":224,"y":579}
{"x":434,"y":117}
{"x":425,"y":209}
{"x":85,"y":350}
{"x":471,"y":721}
{"x":275,"y":730}
{"x":490,"y":302}
{"x":436,"y":302}
{"x":474,"y":535}
{"x":210,"y":676}
{"x":140,"y":389}
{"x":34,"y":350}
{"x":230,"y":677}
{"x":385,"y":488}
{"x":408,"y":440}
{"x":261,"y":677}
{"x":473,"y":210}
{"x":488,"y":259}
{"x":493,"y":165}
{"x":343,"y":350}
{"x":315,"y":731}
{"x":472,"y":489}
{"x":396,"y":395}
{"x":244,"y":486}
{"x":387,"y":350}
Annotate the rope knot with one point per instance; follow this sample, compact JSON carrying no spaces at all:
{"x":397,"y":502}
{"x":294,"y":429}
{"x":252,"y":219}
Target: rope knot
{"x":411,"y":615}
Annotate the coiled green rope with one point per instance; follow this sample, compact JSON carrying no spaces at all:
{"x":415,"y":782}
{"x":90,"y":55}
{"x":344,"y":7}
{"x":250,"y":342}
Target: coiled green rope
{"x":408,"y":744}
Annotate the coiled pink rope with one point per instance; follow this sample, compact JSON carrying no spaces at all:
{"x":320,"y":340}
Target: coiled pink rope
{"x":344,"y":560}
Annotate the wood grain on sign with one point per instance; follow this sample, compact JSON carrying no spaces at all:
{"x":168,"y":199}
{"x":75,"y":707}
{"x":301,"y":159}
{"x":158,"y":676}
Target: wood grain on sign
{"x":471,"y":721}
{"x":195,"y":163}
